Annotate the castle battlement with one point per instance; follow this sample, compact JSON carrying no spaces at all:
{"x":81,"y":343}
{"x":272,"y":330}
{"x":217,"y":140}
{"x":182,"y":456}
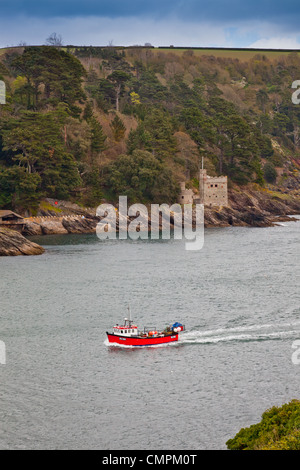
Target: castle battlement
{"x":213,"y":190}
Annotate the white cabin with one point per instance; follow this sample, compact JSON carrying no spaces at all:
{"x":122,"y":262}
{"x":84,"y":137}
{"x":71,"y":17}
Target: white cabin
{"x":128,"y":329}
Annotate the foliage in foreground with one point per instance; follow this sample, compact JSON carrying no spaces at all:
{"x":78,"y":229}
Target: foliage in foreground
{"x":279,"y":429}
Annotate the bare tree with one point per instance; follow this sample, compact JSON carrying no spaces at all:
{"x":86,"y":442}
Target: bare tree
{"x":54,"y":40}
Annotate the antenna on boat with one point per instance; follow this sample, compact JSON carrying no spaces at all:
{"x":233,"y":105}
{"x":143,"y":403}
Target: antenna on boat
{"x":129,"y":314}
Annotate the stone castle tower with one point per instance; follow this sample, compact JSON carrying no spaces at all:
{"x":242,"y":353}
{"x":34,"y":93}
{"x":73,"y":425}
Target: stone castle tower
{"x":186,"y":195}
{"x":212,"y":190}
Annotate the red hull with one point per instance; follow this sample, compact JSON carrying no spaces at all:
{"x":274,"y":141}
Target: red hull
{"x":137,"y":341}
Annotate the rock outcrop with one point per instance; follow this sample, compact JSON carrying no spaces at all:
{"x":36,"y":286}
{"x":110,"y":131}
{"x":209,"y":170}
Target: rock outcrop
{"x":60,"y":225}
{"x":249,"y":206}
{"x":80,"y":224}
{"x":253,"y":208}
{"x":12,"y":243}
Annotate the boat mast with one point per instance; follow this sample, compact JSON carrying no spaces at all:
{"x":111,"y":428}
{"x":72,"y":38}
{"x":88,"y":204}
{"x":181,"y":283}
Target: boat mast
{"x":129,"y":315}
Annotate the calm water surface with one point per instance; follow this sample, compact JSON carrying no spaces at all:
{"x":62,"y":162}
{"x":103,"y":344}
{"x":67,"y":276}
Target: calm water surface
{"x":63,"y":387}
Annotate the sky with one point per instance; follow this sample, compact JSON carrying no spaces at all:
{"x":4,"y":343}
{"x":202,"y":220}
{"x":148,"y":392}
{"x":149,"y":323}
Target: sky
{"x":272,"y":24}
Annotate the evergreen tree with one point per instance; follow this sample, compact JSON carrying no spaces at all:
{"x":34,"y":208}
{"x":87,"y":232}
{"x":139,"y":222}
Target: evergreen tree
{"x":60,"y":73}
{"x":35,"y":142}
{"x":98,"y":137}
{"x":270,"y":173}
{"x":118,"y":128}
{"x":142,"y":177}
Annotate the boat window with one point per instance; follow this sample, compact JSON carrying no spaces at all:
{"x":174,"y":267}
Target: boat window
{"x":121,"y":331}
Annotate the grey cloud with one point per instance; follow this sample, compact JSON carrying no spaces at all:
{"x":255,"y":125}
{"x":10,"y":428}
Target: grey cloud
{"x":287,"y":12}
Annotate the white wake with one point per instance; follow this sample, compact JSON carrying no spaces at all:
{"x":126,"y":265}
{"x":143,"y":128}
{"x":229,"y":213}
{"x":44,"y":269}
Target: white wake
{"x":242,"y":333}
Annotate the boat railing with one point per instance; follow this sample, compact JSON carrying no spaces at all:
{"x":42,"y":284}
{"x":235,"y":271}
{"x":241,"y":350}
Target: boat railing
{"x":147,"y":329}
{"x":168,"y":330}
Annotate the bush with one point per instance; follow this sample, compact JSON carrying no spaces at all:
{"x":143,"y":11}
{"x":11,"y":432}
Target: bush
{"x":279,"y":429}
{"x":270,"y":173}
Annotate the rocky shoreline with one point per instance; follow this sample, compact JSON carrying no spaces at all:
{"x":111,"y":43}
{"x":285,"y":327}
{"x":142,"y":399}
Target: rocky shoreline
{"x":53,"y":225}
{"x":251,"y":208}
{"x":12,"y":243}
{"x":248,"y":208}
{"x":254,"y":208}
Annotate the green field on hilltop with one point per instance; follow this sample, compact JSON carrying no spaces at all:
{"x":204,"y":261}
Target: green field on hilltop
{"x":241,"y":54}
{"x":238,"y":53}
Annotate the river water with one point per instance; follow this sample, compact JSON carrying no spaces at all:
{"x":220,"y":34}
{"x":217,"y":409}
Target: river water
{"x":63,"y":387}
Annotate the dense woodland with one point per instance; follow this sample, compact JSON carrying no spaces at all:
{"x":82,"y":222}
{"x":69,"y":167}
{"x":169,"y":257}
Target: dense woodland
{"x":88,"y":124}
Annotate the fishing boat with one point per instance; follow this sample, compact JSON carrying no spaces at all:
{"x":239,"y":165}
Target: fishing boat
{"x":128,"y":334}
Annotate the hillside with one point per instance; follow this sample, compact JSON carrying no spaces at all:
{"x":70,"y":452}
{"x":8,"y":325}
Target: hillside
{"x":87,"y":124}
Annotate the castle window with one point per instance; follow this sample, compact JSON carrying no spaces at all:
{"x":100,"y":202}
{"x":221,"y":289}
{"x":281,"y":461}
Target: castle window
{"x":211,"y":185}
{"x":216,"y":185}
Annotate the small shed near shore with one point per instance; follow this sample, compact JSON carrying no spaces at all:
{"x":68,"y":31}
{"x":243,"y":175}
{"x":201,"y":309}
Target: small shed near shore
{"x":11,"y":220}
